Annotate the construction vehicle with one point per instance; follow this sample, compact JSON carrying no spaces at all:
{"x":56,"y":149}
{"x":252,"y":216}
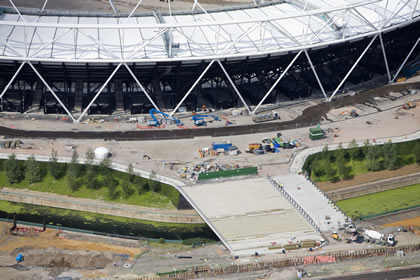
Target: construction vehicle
{"x":199,"y":119}
{"x":374,"y":236}
{"x":273,"y":115}
{"x":353,"y":113}
{"x":156,"y":122}
{"x":335,"y":236}
{"x":409,"y":105}
{"x":254,"y":146}
{"x":316,"y":133}
{"x":283,"y":143}
{"x":20,"y":258}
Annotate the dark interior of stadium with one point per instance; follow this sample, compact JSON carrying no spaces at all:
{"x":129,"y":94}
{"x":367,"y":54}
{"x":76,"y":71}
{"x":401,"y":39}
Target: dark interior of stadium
{"x":76,"y":84}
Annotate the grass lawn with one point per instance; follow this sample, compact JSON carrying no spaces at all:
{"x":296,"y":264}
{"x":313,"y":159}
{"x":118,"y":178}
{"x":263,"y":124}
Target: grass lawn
{"x":146,"y":198}
{"x":381,"y":202}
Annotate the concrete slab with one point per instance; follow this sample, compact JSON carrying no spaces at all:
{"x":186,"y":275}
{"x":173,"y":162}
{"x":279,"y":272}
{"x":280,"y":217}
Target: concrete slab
{"x":250,"y":215}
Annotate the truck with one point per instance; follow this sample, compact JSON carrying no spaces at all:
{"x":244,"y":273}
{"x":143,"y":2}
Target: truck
{"x":372,"y":235}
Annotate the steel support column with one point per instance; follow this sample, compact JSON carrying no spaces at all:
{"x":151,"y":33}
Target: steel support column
{"x":405,"y":60}
{"x":141,"y":86}
{"x":352,"y":68}
{"x":12,"y":79}
{"x":191,"y":88}
{"x":385,"y":58}
{"x":316,"y":75}
{"x":233,"y":85}
{"x":277,"y":81}
{"x":99,"y":92}
{"x":52,"y":92}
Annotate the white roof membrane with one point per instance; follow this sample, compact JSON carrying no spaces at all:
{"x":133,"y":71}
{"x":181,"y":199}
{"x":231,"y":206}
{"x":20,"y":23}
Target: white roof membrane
{"x":254,"y":31}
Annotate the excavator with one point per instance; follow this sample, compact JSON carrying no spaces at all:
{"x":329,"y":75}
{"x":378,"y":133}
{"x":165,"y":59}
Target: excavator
{"x":155,"y":122}
{"x":199,"y":119}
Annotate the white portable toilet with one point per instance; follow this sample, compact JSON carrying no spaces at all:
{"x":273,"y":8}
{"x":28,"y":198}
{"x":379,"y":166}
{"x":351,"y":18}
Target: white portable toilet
{"x":101,"y":153}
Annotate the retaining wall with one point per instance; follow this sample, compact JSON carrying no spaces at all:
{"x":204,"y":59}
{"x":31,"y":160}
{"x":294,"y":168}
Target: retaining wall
{"x":99,"y":207}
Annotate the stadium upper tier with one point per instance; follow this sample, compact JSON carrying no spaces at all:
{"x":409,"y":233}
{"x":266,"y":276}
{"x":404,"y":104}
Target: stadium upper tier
{"x":253,"y":31}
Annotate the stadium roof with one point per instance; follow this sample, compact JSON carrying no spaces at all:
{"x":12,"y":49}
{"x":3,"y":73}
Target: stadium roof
{"x":254,"y":31}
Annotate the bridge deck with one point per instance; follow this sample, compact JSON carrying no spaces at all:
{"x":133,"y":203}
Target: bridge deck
{"x":250,"y":214}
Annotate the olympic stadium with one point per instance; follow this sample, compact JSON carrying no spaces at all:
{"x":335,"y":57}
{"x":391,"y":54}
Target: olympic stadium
{"x":84,"y":63}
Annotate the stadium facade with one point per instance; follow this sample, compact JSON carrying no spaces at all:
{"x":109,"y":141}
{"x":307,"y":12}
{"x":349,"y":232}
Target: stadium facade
{"x":82,"y":64}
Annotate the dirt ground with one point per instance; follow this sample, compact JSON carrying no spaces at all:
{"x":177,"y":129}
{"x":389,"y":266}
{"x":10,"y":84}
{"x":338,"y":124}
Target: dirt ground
{"x":413,"y":223}
{"x":369,"y":177}
{"x":55,"y":239}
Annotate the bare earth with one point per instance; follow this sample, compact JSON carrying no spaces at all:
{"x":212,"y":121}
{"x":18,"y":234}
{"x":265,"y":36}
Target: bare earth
{"x":412,"y":223}
{"x":369,"y":177}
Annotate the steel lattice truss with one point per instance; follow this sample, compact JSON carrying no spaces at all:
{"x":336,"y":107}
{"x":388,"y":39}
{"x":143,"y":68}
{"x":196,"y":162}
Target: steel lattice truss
{"x":285,"y":27}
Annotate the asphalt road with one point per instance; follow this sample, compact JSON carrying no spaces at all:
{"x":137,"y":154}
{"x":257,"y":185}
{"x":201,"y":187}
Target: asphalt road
{"x":385,"y":275}
{"x":310,"y":116}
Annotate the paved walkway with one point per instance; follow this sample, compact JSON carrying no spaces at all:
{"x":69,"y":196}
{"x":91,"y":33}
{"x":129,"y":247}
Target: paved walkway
{"x":100,"y":207}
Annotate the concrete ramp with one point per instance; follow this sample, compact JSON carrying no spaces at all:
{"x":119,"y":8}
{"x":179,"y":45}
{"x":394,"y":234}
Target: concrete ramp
{"x":323,"y":211}
{"x":250,"y":215}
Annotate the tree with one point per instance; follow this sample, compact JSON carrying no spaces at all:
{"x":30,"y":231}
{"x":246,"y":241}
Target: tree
{"x":372,"y":158}
{"x":54,"y":168}
{"x":13,"y":170}
{"x":130,"y":172}
{"x":341,"y":165}
{"x":127,"y":190}
{"x":324,"y":153}
{"x":390,"y":156}
{"x":113,"y":194}
{"x":33,"y":170}
{"x":145,"y":187}
{"x":91,"y":181}
{"x":74,"y":163}
{"x":72,"y":181}
{"x":353,"y":149}
{"x":155,"y":185}
{"x":105,"y":167}
{"x":111,"y":182}
{"x":365,"y":148}
{"x":417,"y":152}
{"x":90,"y":160}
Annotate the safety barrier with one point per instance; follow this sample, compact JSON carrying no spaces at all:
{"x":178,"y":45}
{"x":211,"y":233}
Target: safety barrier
{"x":388,"y":212}
{"x":200,"y":272}
{"x":294,"y":203}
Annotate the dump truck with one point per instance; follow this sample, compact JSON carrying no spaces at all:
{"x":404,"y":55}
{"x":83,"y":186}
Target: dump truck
{"x":372,"y":235}
{"x":316,"y":133}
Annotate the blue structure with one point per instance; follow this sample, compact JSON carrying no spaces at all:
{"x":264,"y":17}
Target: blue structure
{"x":156,"y":122}
{"x":19,"y":258}
{"x":199,"y":119}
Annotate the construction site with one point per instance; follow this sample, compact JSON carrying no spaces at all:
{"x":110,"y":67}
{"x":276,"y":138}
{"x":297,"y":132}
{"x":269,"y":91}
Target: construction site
{"x":220,"y":108}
